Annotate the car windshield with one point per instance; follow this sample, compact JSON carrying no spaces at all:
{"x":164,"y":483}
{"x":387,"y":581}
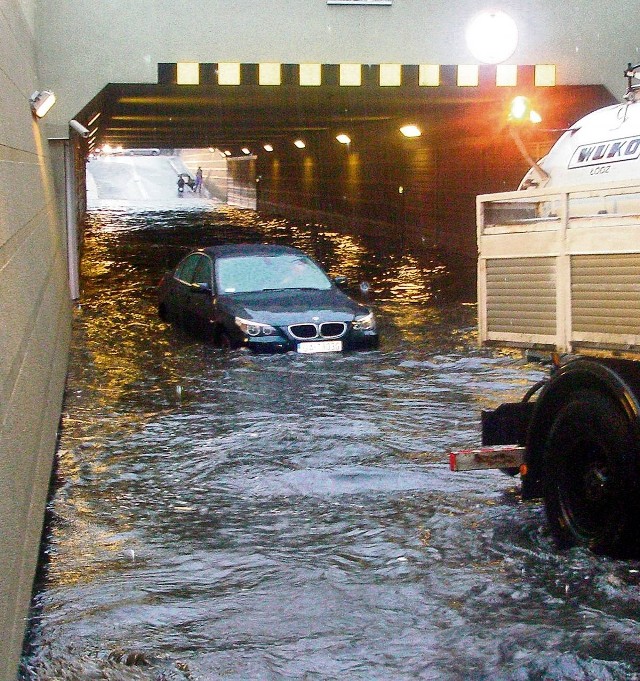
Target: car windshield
{"x":249,"y":274}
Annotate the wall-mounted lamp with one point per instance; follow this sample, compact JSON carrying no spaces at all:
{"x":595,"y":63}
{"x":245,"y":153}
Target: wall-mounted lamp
{"x":410,"y":131}
{"x":343,"y":139}
{"x":268,"y":147}
{"x":300,"y":144}
{"x":41,"y":102}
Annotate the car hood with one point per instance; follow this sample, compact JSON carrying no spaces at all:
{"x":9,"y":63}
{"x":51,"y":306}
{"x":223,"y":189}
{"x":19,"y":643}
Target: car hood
{"x":292,"y":306}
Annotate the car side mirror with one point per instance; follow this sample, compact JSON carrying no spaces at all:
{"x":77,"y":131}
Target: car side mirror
{"x":340,"y":281}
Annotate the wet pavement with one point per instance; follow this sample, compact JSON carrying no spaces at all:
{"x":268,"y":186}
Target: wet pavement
{"x":220,"y":515}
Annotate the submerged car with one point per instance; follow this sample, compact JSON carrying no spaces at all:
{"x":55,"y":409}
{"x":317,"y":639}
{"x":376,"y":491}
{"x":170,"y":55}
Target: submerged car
{"x":268,"y":298}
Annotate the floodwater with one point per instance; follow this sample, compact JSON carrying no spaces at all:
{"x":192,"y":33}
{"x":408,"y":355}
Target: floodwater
{"x":219,"y":515}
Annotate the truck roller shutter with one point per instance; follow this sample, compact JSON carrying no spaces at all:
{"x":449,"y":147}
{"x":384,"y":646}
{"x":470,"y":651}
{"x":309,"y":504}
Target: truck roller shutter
{"x":605,"y":291}
{"x":521,"y":296}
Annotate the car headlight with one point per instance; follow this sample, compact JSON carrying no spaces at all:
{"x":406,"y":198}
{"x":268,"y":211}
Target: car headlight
{"x":365,"y":322}
{"x":255,"y":328}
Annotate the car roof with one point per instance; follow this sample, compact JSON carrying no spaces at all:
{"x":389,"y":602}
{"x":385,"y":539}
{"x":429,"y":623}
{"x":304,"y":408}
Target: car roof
{"x":243,"y":250}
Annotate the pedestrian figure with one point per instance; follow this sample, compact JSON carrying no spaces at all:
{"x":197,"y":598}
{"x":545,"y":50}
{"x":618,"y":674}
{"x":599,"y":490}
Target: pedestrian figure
{"x":198,"y":186}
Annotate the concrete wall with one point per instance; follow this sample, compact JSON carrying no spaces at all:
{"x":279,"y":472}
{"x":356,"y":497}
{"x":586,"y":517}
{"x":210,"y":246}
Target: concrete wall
{"x":241,"y":182}
{"x":86,"y":44}
{"x":35,"y":315}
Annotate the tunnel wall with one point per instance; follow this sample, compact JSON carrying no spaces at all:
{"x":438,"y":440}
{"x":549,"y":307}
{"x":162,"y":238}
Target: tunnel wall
{"x":421,"y":190}
{"x":422,"y":193}
{"x":241,"y":182}
{"x":35,"y":311}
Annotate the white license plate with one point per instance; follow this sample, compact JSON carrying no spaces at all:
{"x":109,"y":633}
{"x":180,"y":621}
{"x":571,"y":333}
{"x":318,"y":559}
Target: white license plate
{"x":320,"y":346}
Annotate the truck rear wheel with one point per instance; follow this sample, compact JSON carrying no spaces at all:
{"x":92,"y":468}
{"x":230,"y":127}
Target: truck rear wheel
{"x":590,"y":474}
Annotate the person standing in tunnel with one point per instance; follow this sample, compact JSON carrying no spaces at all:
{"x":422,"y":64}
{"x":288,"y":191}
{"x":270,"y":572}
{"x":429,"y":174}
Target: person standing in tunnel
{"x":198,"y":185}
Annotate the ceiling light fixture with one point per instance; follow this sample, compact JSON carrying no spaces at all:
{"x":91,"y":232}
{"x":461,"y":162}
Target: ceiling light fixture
{"x":410,"y":131}
{"x":343,"y":139}
{"x":300,"y":144}
{"x":268,"y":147}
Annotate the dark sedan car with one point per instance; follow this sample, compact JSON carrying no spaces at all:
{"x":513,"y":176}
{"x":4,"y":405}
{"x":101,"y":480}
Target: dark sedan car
{"x":265,"y":297}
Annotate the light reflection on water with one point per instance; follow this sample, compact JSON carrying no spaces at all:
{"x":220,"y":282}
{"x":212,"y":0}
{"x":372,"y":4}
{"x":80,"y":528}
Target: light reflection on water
{"x":292,"y":517}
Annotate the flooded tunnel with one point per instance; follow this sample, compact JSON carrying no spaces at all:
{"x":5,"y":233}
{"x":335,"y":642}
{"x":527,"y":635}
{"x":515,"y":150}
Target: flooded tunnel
{"x":191,"y":509}
{"x":218,"y":514}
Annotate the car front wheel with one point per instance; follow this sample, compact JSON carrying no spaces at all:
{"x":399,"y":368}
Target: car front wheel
{"x":224,"y":339}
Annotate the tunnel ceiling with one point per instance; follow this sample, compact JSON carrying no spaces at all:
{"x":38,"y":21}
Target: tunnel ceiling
{"x":171,"y":116}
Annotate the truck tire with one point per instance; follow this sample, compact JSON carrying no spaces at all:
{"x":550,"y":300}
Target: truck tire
{"x":590,"y":476}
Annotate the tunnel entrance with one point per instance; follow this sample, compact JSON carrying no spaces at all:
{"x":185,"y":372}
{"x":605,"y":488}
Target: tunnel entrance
{"x":281,"y":147}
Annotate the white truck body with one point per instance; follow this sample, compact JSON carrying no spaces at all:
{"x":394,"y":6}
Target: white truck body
{"x":559,"y":269}
{"x":559,"y":259}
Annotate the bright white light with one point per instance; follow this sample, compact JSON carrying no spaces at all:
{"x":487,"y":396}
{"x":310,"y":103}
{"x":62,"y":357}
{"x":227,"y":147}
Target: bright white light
{"x":227,"y":152}
{"x":245,"y":151}
{"x":521,"y":111}
{"x":300,"y":144}
{"x":410,"y":131}
{"x":492,"y":36}
{"x":519,"y":108}
{"x":268,"y":147}
{"x":41,"y":102}
{"x":343,"y":139}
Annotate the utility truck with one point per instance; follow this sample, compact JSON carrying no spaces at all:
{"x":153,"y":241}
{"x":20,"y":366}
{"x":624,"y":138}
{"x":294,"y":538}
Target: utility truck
{"x":559,"y":272}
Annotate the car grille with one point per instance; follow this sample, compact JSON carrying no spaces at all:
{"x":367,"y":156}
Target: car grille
{"x":324,"y":330}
